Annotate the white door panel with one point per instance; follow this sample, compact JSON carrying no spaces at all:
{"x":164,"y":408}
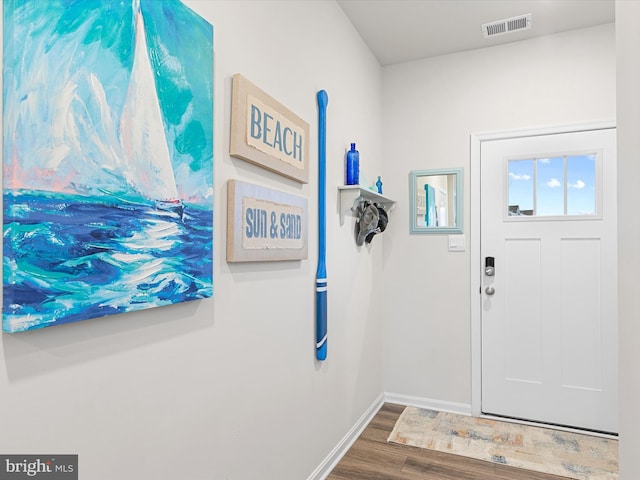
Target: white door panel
{"x":549,"y":332}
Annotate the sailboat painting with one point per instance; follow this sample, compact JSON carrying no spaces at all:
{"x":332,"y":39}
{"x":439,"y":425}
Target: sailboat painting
{"x":107,"y":159}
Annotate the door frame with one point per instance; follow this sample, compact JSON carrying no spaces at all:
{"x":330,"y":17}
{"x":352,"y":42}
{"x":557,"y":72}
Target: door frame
{"x":475,"y":283}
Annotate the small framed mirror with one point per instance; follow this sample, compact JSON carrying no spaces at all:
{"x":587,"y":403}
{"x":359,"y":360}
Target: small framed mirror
{"x":436,"y":200}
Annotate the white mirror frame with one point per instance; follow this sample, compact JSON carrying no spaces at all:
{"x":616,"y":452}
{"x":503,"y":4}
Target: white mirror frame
{"x":458,"y":184}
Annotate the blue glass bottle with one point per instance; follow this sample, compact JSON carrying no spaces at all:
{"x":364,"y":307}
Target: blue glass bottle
{"x":379,"y":185}
{"x":353,"y":166}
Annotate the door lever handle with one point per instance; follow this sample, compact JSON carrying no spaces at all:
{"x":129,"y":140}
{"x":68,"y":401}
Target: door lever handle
{"x":490,"y":290}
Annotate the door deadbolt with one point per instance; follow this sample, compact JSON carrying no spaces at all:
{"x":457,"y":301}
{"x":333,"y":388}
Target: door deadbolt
{"x":489,"y":267}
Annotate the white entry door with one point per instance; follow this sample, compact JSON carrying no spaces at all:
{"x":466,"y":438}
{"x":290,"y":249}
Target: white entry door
{"x":549,"y":311}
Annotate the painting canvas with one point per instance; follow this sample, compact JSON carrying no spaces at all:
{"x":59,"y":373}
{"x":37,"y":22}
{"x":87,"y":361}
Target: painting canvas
{"x":107,"y":158}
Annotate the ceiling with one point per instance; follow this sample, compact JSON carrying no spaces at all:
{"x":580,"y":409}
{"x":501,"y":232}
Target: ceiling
{"x":403,"y":30}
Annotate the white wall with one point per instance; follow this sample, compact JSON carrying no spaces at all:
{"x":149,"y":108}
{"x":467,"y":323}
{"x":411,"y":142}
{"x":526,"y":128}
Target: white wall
{"x":228,"y":388}
{"x":431,"y":107}
{"x":628,"y":118}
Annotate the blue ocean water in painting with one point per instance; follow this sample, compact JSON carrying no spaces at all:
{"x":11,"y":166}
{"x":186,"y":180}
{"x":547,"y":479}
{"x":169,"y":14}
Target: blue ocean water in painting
{"x":68,"y":258}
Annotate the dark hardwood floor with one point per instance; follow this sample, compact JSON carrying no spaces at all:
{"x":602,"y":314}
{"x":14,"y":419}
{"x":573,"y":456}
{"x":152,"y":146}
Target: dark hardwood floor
{"x":372,"y":458}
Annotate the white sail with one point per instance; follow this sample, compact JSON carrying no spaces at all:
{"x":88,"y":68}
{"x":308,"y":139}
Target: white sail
{"x":141,"y":128}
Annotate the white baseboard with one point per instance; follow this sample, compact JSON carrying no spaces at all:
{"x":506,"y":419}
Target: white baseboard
{"x":431,"y":404}
{"x":329,"y":463}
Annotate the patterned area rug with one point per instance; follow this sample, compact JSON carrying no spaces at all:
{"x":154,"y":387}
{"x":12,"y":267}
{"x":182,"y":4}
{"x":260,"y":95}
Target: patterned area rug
{"x":572,"y":455}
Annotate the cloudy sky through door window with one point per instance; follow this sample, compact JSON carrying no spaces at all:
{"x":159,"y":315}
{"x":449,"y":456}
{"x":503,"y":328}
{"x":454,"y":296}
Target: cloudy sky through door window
{"x":552,"y":186}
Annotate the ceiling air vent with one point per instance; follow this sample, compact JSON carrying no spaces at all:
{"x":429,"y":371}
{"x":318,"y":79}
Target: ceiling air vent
{"x":508,"y":25}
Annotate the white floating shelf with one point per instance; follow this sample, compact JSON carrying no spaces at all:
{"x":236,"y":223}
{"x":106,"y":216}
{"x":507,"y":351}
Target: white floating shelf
{"x":352,"y":195}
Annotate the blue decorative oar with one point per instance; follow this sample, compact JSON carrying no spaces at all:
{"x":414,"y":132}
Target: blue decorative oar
{"x":321,"y":274}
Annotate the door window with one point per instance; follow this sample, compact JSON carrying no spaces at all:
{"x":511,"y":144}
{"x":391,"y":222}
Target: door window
{"x":554,"y":186}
